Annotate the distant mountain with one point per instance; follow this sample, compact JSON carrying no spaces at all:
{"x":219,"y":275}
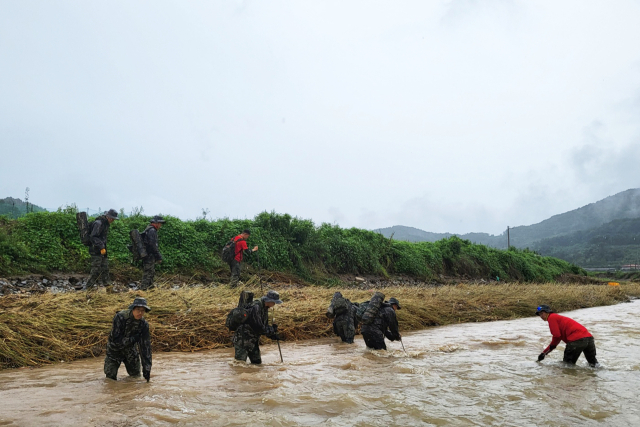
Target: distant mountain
{"x":613,"y":244}
{"x":411,"y":234}
{"x":619,"y":206}
{"x":572,"y":235}
{"x":14,"y":208}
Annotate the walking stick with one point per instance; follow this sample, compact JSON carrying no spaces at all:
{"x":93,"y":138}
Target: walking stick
{"x":273,"y":320}
{"x":405,"y":351}
{"x":259,"y":273}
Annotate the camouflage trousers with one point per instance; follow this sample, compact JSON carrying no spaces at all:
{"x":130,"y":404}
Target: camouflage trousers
{"x":574,"y":349}
{"x":345,"y":329}
{"x":149,"y":271}
{"x":99,"y":270}
{"x":373,"y":338}
{"x":131,"y":361}
{"x":247,"y":348}
{"x":235,"y":273}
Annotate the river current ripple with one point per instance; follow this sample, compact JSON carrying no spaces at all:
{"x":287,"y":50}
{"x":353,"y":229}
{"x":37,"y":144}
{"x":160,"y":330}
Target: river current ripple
{"x":476,"y":374}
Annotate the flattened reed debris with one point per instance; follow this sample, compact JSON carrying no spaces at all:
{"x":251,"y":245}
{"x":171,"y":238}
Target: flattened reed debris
{"x":47,"y":328}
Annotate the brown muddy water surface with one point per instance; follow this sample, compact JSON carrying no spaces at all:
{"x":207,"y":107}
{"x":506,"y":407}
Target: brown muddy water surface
{"x":459,"y":375}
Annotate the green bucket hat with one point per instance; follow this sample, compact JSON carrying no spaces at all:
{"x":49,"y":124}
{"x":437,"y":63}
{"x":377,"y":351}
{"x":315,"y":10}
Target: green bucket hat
{"x":395,"y":301}
{"x":140,"y":302}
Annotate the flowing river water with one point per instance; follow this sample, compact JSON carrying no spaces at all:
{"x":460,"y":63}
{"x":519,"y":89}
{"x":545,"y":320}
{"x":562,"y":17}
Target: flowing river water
{"x":459,"y":375}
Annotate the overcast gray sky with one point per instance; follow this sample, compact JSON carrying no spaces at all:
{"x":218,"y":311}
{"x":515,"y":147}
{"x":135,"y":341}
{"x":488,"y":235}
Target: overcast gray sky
{"x":449,"y":116}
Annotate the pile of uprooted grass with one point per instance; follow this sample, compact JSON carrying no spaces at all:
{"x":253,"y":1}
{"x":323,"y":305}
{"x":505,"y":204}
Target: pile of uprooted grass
{"x":47,"y":328}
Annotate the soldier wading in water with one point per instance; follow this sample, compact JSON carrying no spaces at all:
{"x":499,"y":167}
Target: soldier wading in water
{"x":129,"y":332}
{"x":153,"y":253}
{"x":98,"y":248}
{"x":343,"y":312}
{"x":385,"y":324}
{"x":246,"y":339}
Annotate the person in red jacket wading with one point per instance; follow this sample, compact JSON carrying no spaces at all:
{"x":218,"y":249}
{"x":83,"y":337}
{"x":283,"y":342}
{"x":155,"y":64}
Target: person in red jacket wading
{"x":241,"y":249}
{"x":576,"y":336}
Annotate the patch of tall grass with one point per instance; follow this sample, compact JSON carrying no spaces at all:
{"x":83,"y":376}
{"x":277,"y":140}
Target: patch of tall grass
{"x":48,"y":241}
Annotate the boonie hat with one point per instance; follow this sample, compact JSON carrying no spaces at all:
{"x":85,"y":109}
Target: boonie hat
{"x":157,"y":219}
{"x":140,"y":302}
{"x":112,"y":214}
{"x":544,"y":308}
{"x":272,"y":296}
{"x":395,"y":301}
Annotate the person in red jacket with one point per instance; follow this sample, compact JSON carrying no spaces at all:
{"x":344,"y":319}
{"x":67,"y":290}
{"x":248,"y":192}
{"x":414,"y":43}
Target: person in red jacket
{"x":241,"y":249}
{"x":576,"y":336}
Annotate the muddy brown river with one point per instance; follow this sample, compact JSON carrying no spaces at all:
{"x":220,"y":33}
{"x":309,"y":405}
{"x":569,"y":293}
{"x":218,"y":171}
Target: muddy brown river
{"x":480,"y":374}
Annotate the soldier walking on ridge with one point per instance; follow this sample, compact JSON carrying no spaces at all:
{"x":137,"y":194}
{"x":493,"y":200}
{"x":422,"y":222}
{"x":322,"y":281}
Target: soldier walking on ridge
{"x":153,"y":253}
{"x":98,"y":248}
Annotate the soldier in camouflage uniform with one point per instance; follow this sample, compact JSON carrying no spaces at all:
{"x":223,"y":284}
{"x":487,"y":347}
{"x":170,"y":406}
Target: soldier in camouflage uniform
{"x":150,"y":238}
{"x":384,"y":325}
{"x":246,"y":339}
{"x":343,"y":312}
{"x":98,"y":248}
{"x":130,"y":331}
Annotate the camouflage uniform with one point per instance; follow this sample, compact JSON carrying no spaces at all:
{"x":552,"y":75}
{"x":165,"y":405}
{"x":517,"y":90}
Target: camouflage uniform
{"x":235,"y":273}
{"x":153,"y":256}
{"x":344,"y":323}
{"x":127,"y":335}
{"x":384,"y":325}
{"x":99,"y":263}
{"x":246,"y":339}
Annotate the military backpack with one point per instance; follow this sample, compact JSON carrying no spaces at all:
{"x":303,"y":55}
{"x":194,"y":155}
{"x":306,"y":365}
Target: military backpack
{"x":239,"y":315}
{"x":340,"y":304}
{"x":137,"y":246}
{"x":368,"y":311}
{"x":229,"y":251}
{"x":84,"y":227}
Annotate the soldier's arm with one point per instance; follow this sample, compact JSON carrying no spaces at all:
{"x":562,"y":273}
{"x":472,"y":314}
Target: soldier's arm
{"x":95,"y":235}
{"x":152,"y":235}
{"x":394,"y":333}
{"x":330,"y":314}
{"x":145,"y":348}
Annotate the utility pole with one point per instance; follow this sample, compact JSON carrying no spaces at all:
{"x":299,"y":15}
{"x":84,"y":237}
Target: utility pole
{"x":26,"y":199}
{"x":508,"y":238}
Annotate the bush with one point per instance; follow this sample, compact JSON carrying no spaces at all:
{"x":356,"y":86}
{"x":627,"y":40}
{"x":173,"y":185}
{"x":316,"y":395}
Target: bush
{"x":48,"y":241}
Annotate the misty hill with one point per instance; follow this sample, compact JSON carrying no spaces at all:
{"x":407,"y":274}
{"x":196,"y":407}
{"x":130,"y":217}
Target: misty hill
{"x":613,"y":244}
{"x":14,"y":208}
{"x":619,"y":206}
{"x":599,"y":234}
{"x":411,"y":234}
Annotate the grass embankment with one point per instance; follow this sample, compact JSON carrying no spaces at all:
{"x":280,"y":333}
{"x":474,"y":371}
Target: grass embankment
{"x":49,"y":242}
{"x":47,"y":328}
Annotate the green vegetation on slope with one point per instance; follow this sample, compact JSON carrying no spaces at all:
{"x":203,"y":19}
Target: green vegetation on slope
{"x":14,"y":208}
{"x":49,"y":241}
{"x":613,"y":244}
